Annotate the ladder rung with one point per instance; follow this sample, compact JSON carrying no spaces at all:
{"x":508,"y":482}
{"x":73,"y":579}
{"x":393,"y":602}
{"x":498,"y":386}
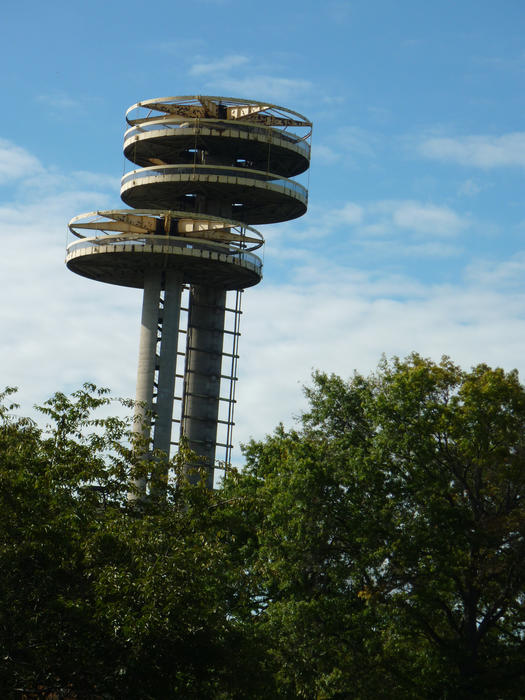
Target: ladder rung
{"x":233,"y":311}
{"x":211,"y":352}
{"x":206,"y":396}
{"x":205,"y":420}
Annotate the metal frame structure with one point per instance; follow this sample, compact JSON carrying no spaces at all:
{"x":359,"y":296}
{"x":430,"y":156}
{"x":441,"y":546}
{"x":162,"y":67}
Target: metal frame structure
{"x":208,"y":169}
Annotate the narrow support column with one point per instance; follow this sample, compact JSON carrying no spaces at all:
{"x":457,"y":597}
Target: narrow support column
{"x":202,"y":377}
{"x":167,"y":362}
{"x":146,"y":363}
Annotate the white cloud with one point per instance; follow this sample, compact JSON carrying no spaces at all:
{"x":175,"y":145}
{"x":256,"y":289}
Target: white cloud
{"x":220,"y":65}
{"x":177,"y":46}
{"x":16,"y":162}
{"x":339,"y":11}
{"x":98,"y":180}
{"x":60,"y":104}
{"x":469,"y":188}
{"x":325,"y":154}
{"x":501,"y":275}
{"x":386,"y":231}
{"x":339,"y":319}
{"x":506,"y":63}
{"x":383,"y":223}
{"x":427,"y":219}
{"x":59,"y":330}
{"x":430,"y":249}
{"x":350,"y":214}
{"x":348,"y":143}
{"x":238,"y":75}
{"x":54,"y":323}
{"x":356,"y":140}
{"x":266,"y":87}
{"x":380,"y":115}
{"x":481,"y":151}
{"x":59,"y":101}
{"x":47,"y":186}
{"x":413,"y":217}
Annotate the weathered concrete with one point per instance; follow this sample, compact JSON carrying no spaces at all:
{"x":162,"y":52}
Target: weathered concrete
{"x":146,"y":363}
{"x":203,"y":373}
{"x":167,"y":361}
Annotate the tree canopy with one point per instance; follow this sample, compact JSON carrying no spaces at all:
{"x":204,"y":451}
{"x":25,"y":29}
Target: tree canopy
{"x":105,"y":598}
{"x":377,"y":550}
{"x":389,"y":550}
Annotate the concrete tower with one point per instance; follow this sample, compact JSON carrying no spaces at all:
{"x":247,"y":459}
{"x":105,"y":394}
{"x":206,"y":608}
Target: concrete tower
{"x":208,"y":168}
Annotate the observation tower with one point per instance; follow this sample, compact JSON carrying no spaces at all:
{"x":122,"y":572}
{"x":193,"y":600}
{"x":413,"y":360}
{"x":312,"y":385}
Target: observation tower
{"x":208,"y":169}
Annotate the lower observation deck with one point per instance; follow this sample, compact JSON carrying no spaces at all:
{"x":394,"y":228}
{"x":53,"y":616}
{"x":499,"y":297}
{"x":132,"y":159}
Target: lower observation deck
{"x":125,"y":259}
{"x":254,"y":197}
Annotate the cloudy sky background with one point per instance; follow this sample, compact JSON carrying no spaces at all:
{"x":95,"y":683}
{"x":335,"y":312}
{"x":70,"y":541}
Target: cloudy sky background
{"x":415,"y":235}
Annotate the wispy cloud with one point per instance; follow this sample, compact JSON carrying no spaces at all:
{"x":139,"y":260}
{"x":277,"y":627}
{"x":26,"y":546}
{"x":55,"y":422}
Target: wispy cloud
{"x":18,"y":166}
{"x":326,"y":314}
{"x":16,"y":162}
{"x":84,"y":178}
{"x":350,"y":214}
{"x":356,"y":140}
{"x":327,"y":155}
{"x":59,"y":100}
{"x":509,"y":62}
{"x":392,"y":217}
{"x":221,"y":65}
{"x":47,"y":319}
{"x":178,"y":45}
{"x":61,"y":104}
{"x":386,"y":231}
{"x":239,"y":75}
{"x":500,"y":275}
{"x":266,"y":87}
{"x":347,"y":144}
{"x":427,"y":219}
{"x":339,"y":10}
{"x":469,"y":188}
{"x":338,"y":319}
{"x":480,"y":151}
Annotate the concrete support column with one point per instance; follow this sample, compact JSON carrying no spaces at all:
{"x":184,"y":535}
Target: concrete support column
{"x":203,"y":373}
{"x":167,"y":362}
{"x":147,"y":361}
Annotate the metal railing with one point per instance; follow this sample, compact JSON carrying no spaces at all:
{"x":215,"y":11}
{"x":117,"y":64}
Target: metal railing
{"x":231,"y":129}
{"x":232,"y":254}
{"x":238,"y":176}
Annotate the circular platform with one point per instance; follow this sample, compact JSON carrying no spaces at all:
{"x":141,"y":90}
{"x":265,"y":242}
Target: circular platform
{"x":203,"y":107}
{"x":125,"y":259}
{"x":250,"y":196}
{"x":226,"y":142}
{"x":209,"y":167}
{"x":118,"y":245}
{"x":220,"y":155}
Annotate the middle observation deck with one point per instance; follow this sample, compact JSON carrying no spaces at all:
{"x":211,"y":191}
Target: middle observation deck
{"x":226,"y":157}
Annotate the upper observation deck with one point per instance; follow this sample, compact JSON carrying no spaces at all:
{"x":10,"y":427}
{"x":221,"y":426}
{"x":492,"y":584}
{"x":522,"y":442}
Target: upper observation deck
{"x":129,"y":243}
{"x":223,"y":156}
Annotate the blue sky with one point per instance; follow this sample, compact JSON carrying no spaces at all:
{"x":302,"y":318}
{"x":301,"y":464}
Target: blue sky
{"x":415,"y":234}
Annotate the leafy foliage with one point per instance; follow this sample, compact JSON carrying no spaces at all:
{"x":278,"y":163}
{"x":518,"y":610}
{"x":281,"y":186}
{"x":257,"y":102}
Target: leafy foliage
{"x":101,"y":597}
{"x":388,"y":540}
{"x":378,"y":551}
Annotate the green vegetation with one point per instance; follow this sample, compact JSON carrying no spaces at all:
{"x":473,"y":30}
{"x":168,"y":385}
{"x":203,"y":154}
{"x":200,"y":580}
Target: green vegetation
{"x":376,"y":552}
